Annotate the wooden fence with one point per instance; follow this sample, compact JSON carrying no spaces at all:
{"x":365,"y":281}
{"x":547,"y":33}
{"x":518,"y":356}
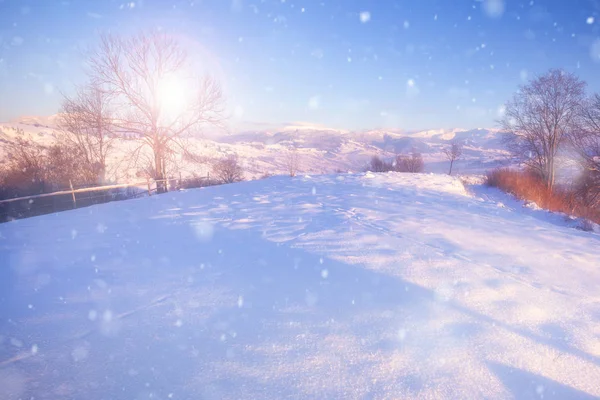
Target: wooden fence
{"x":46,"y":203}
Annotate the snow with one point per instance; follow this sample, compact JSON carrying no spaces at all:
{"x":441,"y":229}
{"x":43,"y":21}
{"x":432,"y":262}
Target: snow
{"x":339,"y":286}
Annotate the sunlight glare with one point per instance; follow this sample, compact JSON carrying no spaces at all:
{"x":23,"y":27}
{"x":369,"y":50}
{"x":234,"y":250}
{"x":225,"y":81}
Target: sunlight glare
{"x":174,"y":97}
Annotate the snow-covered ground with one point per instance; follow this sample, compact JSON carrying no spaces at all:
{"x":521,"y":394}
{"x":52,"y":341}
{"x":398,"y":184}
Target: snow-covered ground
{"x":340,"y":286}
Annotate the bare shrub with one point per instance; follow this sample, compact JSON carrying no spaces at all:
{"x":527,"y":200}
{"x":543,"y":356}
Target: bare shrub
{"x":292,"y":161}
{"x":64,"y":167}
{"x":453,"y":152}
{"x":26,"y":163}
{"x":33,"y":169}
{"x":409,"y":163}
{"x":378,"y":165}
{"x":193,"y":182}
{"x":228,"y":170}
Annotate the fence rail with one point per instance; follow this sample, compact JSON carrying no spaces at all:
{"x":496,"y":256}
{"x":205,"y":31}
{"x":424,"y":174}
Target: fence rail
{"x":74,"y":191}
{"x":45,"y":203}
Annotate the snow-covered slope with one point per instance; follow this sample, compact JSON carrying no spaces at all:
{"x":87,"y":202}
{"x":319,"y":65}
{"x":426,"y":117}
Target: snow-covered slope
{"x":321,"y":150}
{"x":341,"y":286}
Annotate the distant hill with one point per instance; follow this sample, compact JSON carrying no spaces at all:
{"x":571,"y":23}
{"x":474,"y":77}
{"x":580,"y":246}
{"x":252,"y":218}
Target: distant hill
{"x":321,"y":150}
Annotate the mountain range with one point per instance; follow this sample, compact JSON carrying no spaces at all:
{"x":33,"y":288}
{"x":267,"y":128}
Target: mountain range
{"x":320,"y":149}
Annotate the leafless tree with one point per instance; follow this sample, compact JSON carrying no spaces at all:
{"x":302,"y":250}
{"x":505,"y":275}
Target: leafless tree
{"x":85,"y":123}
{"x":228,"y":170}
{"x":586,"y":143}
{"x":140,"y":72}
{"x":453,"y":152}
{"x":586,"y":137}
{"x":540,"y":116}
{"x":292,"y":161}
{"x":410,"y":163}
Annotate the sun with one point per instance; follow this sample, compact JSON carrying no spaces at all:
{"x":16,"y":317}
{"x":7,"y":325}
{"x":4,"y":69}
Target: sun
{"x":174,"y":97}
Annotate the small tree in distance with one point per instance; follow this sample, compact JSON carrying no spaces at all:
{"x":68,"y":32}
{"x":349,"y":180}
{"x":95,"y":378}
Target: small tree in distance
{"x":292,"y":161}
{"x":378,"y":165}
{"x":410,"y":163}
{"x":453,"y":152}
{"x":228,"y":170}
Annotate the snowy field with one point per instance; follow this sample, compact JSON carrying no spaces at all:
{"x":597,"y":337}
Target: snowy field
{"x":341,"y":286}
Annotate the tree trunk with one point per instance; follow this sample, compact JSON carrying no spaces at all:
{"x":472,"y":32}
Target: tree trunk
{"x":552,"y":176}
{"x":159,"y":171}
{"x":451,"y":163}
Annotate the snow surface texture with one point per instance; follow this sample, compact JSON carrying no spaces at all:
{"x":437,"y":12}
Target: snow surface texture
{"x":320,"y":150}
{"x":341,"y":286}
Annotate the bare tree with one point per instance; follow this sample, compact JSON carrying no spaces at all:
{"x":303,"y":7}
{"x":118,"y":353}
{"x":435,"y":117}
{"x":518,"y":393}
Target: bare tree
{"x":158,"y":100}
{"x":85,"y":123}
{"x":292,"y":161}
{"x":410,"y":163}
{"x":540,"y":116}
{"x":228,"y":170}
{"x":586,"y":143}
{"x":586,"y":138}
{"x":453,"y":152}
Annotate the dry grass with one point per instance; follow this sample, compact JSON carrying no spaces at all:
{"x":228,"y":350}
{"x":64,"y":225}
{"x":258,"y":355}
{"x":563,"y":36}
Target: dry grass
{"x":529,"y":187}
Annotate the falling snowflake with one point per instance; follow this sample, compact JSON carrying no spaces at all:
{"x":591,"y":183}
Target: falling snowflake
{"x":493,"y":8}
{"x":314,"y":102}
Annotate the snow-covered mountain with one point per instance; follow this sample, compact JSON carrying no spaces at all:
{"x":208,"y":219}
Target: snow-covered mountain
{"x":321,"y":150}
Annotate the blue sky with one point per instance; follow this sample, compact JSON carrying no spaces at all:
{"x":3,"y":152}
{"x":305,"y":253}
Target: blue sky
{"x":348,"y":64}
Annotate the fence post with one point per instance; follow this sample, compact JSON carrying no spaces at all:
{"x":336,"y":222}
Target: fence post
{"x":73,"y":194}
{"x":149,"y":189}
